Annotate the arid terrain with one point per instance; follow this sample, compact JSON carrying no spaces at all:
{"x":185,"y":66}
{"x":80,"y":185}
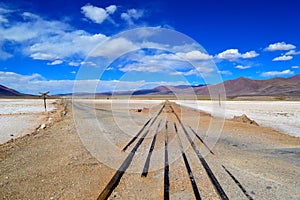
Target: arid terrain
{"x":22,"y":116}
{"x":78,"y":156}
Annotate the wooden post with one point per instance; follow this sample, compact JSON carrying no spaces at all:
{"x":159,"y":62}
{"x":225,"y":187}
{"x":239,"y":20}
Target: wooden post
{"x":44,"y":95}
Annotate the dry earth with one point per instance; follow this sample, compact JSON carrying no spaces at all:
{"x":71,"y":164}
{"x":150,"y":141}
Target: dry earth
{"x":54,"y":164}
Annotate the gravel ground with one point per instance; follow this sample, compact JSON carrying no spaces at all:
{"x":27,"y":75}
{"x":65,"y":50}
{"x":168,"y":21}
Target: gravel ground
{"x":62,"y":163}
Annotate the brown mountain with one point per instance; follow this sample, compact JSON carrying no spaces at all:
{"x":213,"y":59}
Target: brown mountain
{"x":247,"y":87}
{"x":8,"y":92}
{"x":234,"y":88}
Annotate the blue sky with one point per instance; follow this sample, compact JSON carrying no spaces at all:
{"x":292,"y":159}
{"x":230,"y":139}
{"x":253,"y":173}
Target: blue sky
{"x":46,"y":45}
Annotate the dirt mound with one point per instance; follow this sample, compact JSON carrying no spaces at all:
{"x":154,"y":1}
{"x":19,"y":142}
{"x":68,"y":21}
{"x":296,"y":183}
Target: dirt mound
{"x":243,"y":118}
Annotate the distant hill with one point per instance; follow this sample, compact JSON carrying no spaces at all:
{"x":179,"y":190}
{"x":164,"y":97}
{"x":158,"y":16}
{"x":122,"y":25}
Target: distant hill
{"x":248,"y":87}
{"x":234,"y":88}
{"x":5,"y":91}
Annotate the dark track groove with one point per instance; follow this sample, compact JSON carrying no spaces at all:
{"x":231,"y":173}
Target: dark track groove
{"x":147,"y":163}
{"x":210,"y":174}
{"x":188,"y":168}
{"x":201,"y":140}
{"x":238,"y":183}
{"x":114,"y":181}
{"x":166,"y":170}
{"x":138,"y":134}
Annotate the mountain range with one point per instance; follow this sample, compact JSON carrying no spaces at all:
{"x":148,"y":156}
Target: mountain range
{"x":8,"y":92}
{"x":234,"y":88}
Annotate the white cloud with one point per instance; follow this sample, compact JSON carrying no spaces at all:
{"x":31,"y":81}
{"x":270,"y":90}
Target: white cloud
{"x":280,"y":46}
{"x":73,"y":72}
{"x":43,"y":56}
{"x":233,"y":54}
{"x":194,"y":55}
{"x":96,"y":14}
{"x":64,"y":45}
{"x":131,"y":15}
{"x":74,"y":64}
{"x":4,"y":55}
{"x":111,"y":9}
{"x":3,"y":13}
{"x":48,"y":40}
{"x":292,"y":52}
{"x":55,"y":62}
{"x":283,"y":58}
{"x":3,"y":19}
{"x":225,"y":72}
{"x":115,"y":47}
{"x":243,"y":67}
{"x":89,"y":63}
{"x":32,"y":84}
{"x":250,"y":54}
{"x":277,"y":73}
{"x":295,"y":67}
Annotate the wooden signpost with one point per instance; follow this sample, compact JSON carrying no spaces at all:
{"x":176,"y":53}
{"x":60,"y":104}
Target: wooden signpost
{"x":44,"y":95}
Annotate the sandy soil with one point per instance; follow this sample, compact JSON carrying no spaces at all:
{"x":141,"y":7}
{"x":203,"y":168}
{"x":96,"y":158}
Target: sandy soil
{"x":55,"y":163}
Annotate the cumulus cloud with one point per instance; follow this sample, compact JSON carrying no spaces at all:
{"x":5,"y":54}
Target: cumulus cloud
{"x":277,"y":73}
{"x":74,"y":64}
{"x":111,"y":9}
{"x":243,"y":67}
{"x":97,"y":14}
{"x":292,"y":52}
{"x":280,"y":46}
{"x":250,"y":54}
{"x":66,"y":44}
{"x":283,"y":58}
{"x":48,"y":39}
{"x":55,"y":62}
{"x":295,"y":67}
{"x":194,"y":55}
{"x":131,"y":15}
{"x":233,"y":54}
{"x":115,"y":47}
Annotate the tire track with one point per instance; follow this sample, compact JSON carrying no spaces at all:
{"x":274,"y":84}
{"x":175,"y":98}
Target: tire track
{"x":166,"y":169}
{"x":147,"y":163}
{"x":210,"y":174}
{"x":188,"y":168}
{"x":142,"y":129}
{"x":238,"y":183}
{"x":201,"y":140}
{"x":113,"y":183}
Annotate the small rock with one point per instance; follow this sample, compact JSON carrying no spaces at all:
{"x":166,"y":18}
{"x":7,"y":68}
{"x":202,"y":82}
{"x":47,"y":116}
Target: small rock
{"x":43,"y":126}
{"x":115,"y":194}
{"x":245,"y":119}
{"x":269,"y":187}
{"x":12,"y":135}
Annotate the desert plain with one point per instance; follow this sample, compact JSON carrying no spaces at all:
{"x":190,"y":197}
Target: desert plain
{"x":149,"y":149}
